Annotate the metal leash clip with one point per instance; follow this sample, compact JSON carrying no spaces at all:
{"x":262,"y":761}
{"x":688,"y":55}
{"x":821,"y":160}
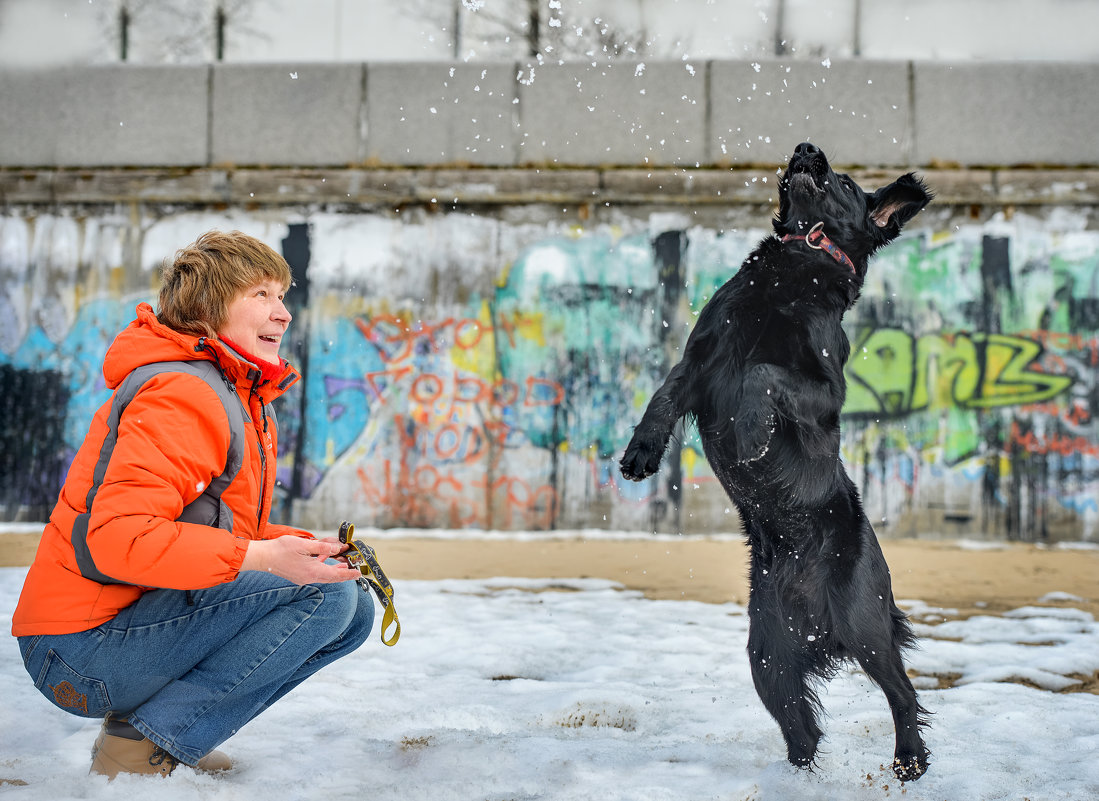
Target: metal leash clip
{"x":362,"y":556}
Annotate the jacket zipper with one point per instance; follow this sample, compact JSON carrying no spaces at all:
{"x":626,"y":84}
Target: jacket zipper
{"x":263,"y":471}
{"x":260,"y":438}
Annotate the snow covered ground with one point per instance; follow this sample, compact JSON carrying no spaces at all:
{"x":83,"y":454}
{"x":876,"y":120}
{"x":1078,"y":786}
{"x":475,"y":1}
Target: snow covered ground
{"x":550,"y":689}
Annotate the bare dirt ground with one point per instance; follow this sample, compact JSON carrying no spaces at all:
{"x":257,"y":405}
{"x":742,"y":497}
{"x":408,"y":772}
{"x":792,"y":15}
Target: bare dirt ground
{"x":966,"y":578}
{"x":963,"y":577}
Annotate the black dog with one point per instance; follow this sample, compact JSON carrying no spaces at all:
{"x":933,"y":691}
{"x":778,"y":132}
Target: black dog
{"x":762,"y":377}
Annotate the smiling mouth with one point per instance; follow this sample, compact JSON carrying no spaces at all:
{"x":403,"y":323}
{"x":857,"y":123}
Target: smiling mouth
{"x":270,"y":340}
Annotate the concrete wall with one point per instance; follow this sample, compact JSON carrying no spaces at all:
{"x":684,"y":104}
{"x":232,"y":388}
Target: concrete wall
{"x":479,"y":338}
{"x":872,"y":113}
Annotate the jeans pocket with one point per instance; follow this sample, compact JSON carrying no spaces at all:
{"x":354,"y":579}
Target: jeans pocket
{"x":71,"y":691}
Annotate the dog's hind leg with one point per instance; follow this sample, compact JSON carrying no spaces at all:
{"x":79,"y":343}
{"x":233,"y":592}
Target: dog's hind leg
{"x":874,"y":632}
{"x":782,"y":670}
{"x":880,"y":657}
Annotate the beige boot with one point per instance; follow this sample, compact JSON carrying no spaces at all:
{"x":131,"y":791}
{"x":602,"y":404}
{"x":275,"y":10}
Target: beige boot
{"x":116,"y":755}
{"x":128,"y":751}
{"x":214,"y":762}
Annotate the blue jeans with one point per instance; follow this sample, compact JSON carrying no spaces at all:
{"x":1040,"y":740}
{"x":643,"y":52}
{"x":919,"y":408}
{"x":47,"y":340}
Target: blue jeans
{"x":187,"y":669}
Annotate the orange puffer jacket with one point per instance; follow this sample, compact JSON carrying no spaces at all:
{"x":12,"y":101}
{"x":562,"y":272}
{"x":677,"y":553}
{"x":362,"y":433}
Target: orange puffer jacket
{"x":172,"y":440}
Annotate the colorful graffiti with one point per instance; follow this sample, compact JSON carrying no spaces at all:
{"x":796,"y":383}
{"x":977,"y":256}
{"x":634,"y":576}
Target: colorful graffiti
{"x":501,"y":395}
{"x":424,"y":417}
{"x":893,"y":372}
{"x":489,"y":413}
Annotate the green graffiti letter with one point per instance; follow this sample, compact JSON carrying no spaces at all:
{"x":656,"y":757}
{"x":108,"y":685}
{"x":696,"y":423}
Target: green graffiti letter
{"x":1011,"y":377}
{"x":947,"y":371}
{"x":879,"y":374}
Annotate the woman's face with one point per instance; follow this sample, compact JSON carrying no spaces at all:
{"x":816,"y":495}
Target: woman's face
{"x":258,"y":319}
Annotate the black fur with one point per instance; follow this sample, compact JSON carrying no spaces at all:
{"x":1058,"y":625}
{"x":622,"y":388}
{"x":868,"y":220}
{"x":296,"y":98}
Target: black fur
{"x":762,"y":376}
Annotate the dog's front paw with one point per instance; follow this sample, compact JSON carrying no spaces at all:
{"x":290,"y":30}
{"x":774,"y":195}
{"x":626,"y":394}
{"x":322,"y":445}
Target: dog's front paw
{"x":642,"y":457}
{"x":753,"y":437}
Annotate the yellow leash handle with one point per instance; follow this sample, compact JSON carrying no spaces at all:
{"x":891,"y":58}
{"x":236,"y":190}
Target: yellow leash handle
{"x":362,"y":556}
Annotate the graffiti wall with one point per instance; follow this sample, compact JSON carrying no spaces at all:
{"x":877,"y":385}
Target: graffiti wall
{"x":467,"y":371}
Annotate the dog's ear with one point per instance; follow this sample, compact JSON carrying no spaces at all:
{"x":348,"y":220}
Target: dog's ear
{"x":891,"y":207}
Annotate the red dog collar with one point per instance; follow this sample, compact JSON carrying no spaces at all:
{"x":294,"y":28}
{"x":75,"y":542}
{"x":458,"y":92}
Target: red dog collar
{"x":818,"y":240}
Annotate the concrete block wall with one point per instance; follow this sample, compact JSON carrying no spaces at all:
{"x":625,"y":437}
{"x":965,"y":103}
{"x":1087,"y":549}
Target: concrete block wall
{"x":111,"y":115}
{"x":280,"y":115}
{"x":857,"y":110}
{"x":622,"y":113}
{"x":432,"y":113}
{"x":661,"y":114}
{"x":1012,"y":113}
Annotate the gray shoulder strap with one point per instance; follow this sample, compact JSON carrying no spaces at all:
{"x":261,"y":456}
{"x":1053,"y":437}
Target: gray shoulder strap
{"x":208,"y":508}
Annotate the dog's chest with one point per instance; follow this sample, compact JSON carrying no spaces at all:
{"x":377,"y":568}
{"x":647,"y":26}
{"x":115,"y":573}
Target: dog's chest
{"x":803,"y":339}
{"x":784,"y":308}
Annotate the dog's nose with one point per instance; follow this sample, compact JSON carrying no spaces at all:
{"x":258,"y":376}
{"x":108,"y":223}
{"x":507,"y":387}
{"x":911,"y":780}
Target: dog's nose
{"x":806,"y":149}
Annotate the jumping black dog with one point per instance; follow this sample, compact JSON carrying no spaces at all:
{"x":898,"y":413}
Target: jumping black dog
{"x":762,"y":377}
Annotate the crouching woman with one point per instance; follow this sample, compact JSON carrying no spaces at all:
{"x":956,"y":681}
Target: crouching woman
{"x":161,"y":599}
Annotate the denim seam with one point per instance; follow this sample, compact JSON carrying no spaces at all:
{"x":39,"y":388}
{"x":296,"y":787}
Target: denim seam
{"x":33,"y":642}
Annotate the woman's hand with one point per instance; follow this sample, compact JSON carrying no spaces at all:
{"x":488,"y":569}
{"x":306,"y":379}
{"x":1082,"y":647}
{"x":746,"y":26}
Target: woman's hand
{"x":299,"y":560}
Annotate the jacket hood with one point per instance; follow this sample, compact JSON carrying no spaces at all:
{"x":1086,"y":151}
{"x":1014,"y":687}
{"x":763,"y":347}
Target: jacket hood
{"x":147,"y":340}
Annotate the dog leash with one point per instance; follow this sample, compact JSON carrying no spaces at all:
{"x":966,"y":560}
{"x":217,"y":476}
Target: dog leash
{"x":818,"y":240}
{"x":372,"y":577}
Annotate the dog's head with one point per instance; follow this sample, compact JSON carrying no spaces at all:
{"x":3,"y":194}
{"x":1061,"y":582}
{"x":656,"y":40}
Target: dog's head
{"x":810,"y":192}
